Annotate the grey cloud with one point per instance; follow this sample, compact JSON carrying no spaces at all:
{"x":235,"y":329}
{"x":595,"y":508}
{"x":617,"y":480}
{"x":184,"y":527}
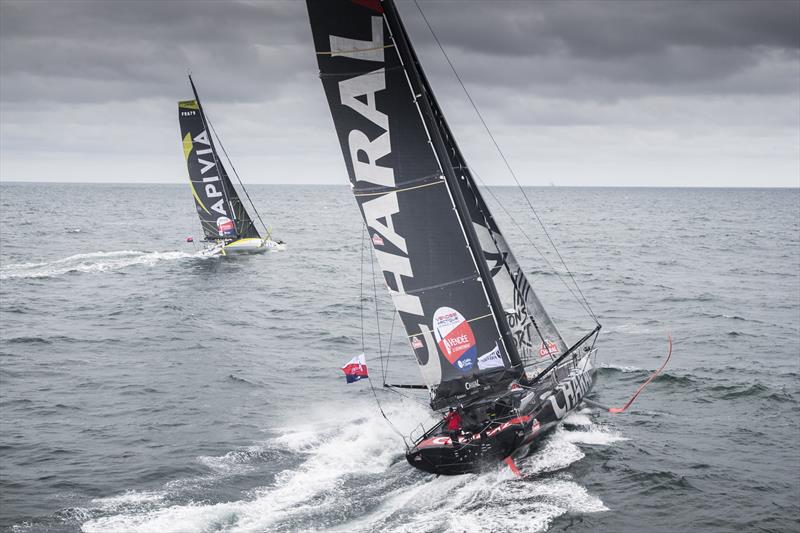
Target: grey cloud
{"x":671,"y":47}
{"x":611,"y":29}
{"x":111,"y":51}
{"x":88,"y":84}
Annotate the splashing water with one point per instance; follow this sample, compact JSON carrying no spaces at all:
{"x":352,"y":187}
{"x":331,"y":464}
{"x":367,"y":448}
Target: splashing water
{"x":90,"y":262}
{"x":351,"y":476}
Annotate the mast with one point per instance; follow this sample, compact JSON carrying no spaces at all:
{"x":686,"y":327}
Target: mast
{"x":414,"y":70}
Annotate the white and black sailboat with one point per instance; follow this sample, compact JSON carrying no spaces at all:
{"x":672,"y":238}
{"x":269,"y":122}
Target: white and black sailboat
{"x":473,"y":321}
{"x":227,"y":226}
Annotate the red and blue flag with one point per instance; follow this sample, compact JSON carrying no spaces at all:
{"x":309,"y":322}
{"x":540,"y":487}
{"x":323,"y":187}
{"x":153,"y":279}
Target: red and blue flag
{"x":356,"y":369}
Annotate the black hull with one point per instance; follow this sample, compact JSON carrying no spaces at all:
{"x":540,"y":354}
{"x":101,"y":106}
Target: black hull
{"x":541,"y":409}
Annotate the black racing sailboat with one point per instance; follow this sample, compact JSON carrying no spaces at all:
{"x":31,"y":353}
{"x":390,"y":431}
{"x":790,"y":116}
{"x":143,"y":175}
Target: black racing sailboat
{"x":227,"y":226}
{"x":479,"y":333}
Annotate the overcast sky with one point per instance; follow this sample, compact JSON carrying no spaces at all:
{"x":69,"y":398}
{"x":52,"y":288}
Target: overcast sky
{"x":577,"y":93}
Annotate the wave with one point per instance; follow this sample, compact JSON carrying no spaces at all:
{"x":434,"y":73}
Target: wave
{"x":664,"y":377}
{"x":90,"y":262}
{"x":351,"y":476}
{"x":732,"y":392}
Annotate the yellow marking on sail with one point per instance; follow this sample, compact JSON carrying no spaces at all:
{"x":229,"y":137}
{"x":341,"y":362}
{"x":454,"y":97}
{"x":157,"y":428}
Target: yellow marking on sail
{"x":439,"y":182}
{"x":470,"y":320}
{"x":197,"y":198}
{"x":355,"y":51}
{"x":188,"y":104}
{"x":187,"y":146}
{"x":187,"y":149}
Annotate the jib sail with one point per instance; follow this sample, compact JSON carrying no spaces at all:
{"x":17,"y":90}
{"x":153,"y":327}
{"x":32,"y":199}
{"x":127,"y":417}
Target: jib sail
{"x":536,"y":337}
{"x":410,"y":201}
{"x":222,"y":214}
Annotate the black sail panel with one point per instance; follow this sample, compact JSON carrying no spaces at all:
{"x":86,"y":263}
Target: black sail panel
{"x":398,"y":184}
{"x":245,"y":227}
{"x":221,"y":211}
{"x":206,"y":177}
{"x":535,"y":334}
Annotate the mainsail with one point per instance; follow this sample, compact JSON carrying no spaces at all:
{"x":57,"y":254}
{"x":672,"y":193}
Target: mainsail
{"x":222,"y":214}
{"x":468,"y":321}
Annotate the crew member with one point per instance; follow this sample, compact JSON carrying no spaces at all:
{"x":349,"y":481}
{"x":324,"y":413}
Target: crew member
{"x":452,"y":423}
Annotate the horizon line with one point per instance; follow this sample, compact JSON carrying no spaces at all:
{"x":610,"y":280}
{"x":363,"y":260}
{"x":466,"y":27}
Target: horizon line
{"x":554,"y":186}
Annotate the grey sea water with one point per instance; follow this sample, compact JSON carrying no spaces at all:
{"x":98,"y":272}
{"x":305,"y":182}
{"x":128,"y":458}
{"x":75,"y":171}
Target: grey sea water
{"x":144,"y":388}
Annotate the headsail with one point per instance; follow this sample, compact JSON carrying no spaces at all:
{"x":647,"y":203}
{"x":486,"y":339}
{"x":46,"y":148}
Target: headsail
{"x":536,"y":336}
{"x":407,"y":202}
{"x":221,"y":212}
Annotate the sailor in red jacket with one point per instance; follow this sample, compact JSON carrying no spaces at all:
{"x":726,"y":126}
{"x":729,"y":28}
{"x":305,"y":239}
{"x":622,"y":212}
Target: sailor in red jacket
{"x":452,"y":423}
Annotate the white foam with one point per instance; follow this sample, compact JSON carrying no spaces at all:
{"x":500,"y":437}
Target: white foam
{"x":342,"y":447}
{"x":129,"y":498}
{"x":345,"y":441}
{"x":579,"y":418}
{"x":234,"y":462}
{"x":623,"y":369}
{"x":91,"y":262}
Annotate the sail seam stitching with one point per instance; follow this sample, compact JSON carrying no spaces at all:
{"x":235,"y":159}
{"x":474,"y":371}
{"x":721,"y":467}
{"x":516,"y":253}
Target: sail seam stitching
{"x":353,"y":51}
{"x":470,"y":320}
{"x":387,"y":191}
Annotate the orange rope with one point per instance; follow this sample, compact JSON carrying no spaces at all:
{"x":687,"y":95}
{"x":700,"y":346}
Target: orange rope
{"x":616,"y":410}
{"x":510,"y":462}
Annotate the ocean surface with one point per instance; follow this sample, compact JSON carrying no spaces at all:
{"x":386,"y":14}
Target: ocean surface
{"x":146,"y":388}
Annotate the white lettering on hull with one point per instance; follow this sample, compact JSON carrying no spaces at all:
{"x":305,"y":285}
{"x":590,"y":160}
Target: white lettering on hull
{"x":569,"y":392}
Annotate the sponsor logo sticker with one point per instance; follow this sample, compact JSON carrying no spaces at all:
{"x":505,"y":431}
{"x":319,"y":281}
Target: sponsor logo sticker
{"x":377,"y":240}
{"x":491,"y":359}
{"x":416,"y":343}
{"x":226,"y":227}
{"x":455,"y":338}
{"x":550,"y":349}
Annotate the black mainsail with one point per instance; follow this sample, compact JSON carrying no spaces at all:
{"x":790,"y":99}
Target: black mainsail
{"x":222,"y":214}
{"x":406,"y":186}
{"x":472,"y":318}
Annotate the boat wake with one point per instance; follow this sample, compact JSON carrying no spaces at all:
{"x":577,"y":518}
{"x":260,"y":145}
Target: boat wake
{"x":352,"y":476}
{"x":91,"y":262}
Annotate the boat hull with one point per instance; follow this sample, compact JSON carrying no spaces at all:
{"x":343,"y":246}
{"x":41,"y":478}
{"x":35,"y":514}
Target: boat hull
{"x":540,"y":410}
{"x":252,"y":246}
{"x":244,"y":247}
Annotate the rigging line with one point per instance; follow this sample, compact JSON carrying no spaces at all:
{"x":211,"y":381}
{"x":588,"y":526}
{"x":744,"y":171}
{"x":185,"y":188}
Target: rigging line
{"x":375,"y":297}
{"x":533,"y":244}
{"x":363,"y":343}
{"x":389,"y":347}
{"x":502,"y":155}
{"x":237,"y":177}
{"x":361,"y":291}
{"x":408,"y":396}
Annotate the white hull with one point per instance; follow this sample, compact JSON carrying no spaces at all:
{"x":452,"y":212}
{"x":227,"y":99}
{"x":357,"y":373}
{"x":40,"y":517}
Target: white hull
{"x":244,"y":246}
